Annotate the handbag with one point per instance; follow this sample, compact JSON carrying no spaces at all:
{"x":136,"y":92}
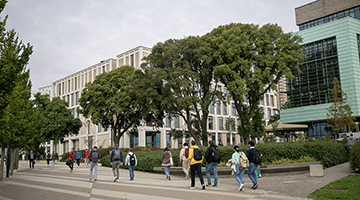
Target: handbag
{"x":171,"y":161}
{"x":68,"y":162}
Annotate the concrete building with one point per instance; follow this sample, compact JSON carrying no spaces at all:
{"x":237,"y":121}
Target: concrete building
{"x":331,"y":36}
{"x":69,"y":88}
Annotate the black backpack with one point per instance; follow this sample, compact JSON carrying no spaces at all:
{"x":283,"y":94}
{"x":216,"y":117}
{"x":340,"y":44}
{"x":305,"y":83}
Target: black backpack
{"x":132,"y":159}
{"x":197,"y":154}
{"x":257,"y":157}
{"x":95,"y":156}
{"x":216,"y":155}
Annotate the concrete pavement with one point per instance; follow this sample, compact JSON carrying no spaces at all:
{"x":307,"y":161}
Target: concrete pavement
{"x":58,"y":183}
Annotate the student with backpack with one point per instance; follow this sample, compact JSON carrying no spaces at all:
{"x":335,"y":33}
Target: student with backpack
{"x":254,"y":157}
{"x":167,"y":162}
{"x":131,"y":162}
{"x":48,"y":158}
{"x":240,"y":160}
{"x":184,"y":154}
{"x":116,"y":158}
{"x":195,"y":157}
{"x":212,"y":157}
{"x":94,"y":157}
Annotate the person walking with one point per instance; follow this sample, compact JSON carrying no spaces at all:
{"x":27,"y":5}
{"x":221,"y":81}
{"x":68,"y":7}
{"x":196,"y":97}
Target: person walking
{"x":116,"y":158}
{"x":351,"y":141}
{"x":78,"y":157}
{"x":212,"y":157}
{"x":38,"y":157}
{"x":48,"y":158}
{"x":71,"y":160}
{"x":86,"y":157}
{"x":31,"y":158}
{"x":239,"y":173}
{"x":195,"y":157}
{"x":166,"y":162}
{"x":94,"y":159}
{"x":184,"y":154}
{"x":56,"y":157}
{"x":131,"y":162}
{"x":53,"y":158}
{"x":252,"y":153}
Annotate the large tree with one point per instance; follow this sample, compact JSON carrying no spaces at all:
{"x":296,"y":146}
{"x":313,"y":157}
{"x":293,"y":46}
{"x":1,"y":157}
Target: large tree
{"x":339,"y":112}
{"x":54,"y":120}
{"x":186,"y":68}
{"x":117,"y":99}
{"x":251,"y":60}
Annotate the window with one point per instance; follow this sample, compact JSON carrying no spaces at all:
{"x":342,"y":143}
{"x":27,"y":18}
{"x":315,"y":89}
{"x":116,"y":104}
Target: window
{"x":68,"y":86}
{"x":211,"y":123}
{"x":269,"y":113}
{"x":233,"y":110}
{"x":167,"y":139}
{"x":212,"y":108}
{"x":68,"y":99}
{"x":63,"y":88}
{"x":132,"y":60}
{"x":224,"y":109}
{"x":103,"y":69}
{"x":272,"y":100}
{"x":218,"y":109}
{"x":266,"y":99}
{"x":72,"y":99}
{"x":76,"y":98}
{"x":227,"y":125}
{"x":221,"y":123}
{"x":176,"y":121}
{"x":75,"y":83}
{"x":167,"y":120}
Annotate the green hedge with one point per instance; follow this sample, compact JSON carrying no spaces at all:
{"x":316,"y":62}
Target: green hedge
{"x":326,"y":152}
{"x":355,"y":156}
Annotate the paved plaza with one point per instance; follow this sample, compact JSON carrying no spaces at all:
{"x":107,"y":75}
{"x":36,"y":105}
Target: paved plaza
{"x":58,"y":183}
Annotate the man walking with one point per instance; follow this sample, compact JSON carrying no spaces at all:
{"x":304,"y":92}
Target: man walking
{"x":212,"y":157}
{"x":78,"y":157}
{"x":31,"y":158}
{"x":131,"y":162}
{"x":252,"y":155}
{"x":184,"y":154}
{"x":351,"y":141}
{"x":116,"y":158}
{"x":195,"y":157}
{"x":94,"y":159}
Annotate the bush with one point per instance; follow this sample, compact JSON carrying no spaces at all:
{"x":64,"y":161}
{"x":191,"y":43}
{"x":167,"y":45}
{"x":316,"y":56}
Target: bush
{"x":355,"y":156}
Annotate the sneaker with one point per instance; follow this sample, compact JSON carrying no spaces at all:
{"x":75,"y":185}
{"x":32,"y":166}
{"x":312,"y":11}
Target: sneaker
{"x":185,"y":178}
{"x":255,"y":186}
{"x":71,"y":171}
{"x":203,"y":187}
{"x":115,"y":178}
{"x":241,"y":188}
{"x":169,"y":178}
{"x":208,"y":185}
{"x":214,"y":185}
{"x":95,"y":180}
{"x":191,"y":188}
{"x":259,"y":175}
{"x":90,"y":180}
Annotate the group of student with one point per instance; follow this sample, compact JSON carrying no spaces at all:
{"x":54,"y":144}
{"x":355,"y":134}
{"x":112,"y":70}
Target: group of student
{"x":53,"y":157}
{"x":192,"y":159}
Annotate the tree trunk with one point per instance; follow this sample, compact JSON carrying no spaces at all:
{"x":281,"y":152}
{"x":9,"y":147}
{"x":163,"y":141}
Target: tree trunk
{"x":2,"y":163}
{"x":12,"y":156}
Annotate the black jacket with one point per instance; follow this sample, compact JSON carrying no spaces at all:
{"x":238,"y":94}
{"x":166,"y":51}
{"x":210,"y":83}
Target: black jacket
{"x":208,"y":156}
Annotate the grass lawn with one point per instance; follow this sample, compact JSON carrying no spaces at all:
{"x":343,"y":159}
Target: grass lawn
{"x":345,"y":188}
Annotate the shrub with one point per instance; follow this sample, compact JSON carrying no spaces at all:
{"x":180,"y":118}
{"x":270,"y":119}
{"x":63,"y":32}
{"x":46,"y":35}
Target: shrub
{"x":355,"y":156}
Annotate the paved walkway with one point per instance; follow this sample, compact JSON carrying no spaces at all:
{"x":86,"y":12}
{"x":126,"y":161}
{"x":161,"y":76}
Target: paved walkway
{"x":58,"y":183}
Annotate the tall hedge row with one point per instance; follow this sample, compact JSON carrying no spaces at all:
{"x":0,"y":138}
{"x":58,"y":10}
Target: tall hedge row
{"x":326,"y":152}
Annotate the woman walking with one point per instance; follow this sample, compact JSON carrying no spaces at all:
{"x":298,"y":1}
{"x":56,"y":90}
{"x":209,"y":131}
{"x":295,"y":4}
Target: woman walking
{"x":53,"y":158}
{"x":166,"y":162}
{"x":86,"y":157}
{"x":71,"y":160}
{"x":235,"y":159}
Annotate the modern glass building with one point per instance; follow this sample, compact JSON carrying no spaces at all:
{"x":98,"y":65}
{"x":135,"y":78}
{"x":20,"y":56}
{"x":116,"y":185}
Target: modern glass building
{"x":331,"y":36}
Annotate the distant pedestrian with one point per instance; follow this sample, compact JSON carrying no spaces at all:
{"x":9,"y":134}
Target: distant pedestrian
{"x":131,"y":162}
{"x":23,"y":155}
{"x":56,"y":157}
{"x":116,"y":160}
{"x":78,"y":157}
{"x":48,"y":158}
{"x":239,"y":171}
{"x":351,"y":141}
{"x":53,"y":158}
{"x":86,"y":157}
{"x":94,"y":159}
{"x":31,"y":158}
{"x":195,"y":157}
{"x":212,"y":157}
{"x":253,"y":155}
{"x":71,"y":160}
{"x":184,"y":154}
{"x":166,"y":162}
{"x":38,"y":157}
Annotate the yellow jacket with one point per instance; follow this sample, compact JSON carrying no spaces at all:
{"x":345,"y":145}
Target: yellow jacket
{"x":191,"y":156}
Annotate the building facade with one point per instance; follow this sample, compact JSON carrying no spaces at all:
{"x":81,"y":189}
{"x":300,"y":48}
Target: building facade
{"x":69,"y":88}
{"x":331,"y":36}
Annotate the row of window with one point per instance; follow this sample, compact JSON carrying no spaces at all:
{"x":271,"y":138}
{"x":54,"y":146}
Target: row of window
{"x":353,"y":12}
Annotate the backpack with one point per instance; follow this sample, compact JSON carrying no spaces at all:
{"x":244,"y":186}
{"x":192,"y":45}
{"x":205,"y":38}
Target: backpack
{"x":95,"y":156}
{"x":216,"y":155}
{"x":48,"y":155}
{"x":186,"y":152}
{"x":257,"y":157}
{"x":197,"y":154}
{"x":116,"y":155}
{"x":244,"y":160}
{"x":132,"y":159}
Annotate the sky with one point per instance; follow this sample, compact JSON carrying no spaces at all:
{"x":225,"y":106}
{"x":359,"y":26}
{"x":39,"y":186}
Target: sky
{"x":70,"y":35}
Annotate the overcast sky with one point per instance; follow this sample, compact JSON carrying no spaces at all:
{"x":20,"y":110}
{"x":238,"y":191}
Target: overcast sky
{"x":70,"y":35}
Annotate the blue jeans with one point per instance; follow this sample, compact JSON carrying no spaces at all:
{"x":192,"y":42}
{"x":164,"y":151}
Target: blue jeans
{"x":131,"y":171}
{"x":167,"y":171}
{"x":115,"y":166}
{"x":212,"y":167}
{"x":53,"y":162}
{"x":239,"y":174}
{"x":252,"y":172}
{"x":197,"y":168}
{"x":93,"y":165}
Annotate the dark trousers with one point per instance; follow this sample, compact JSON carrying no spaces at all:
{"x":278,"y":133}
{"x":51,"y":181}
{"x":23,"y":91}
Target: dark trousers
{"x":31,"y":163}
{"x":78,"y":162}
{"x":71,"y":164}
{"x":48,"y":161}
{"x":197,"y":168}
